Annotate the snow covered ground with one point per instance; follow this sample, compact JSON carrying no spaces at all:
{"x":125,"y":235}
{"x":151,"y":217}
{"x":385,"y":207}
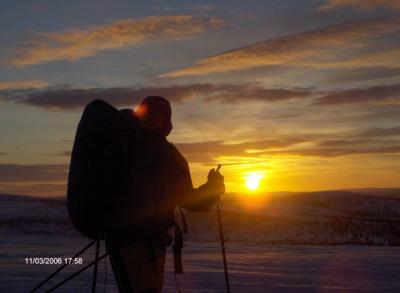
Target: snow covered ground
{"x":253,"y":268}
{"x":257,"y":231}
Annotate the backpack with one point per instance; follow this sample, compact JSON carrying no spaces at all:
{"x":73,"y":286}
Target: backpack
{"x":104,"y":140}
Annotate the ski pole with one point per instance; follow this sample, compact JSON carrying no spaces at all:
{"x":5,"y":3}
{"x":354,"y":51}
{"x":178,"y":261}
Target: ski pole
{"x":77,"y":273}
{"x":221,"y":236}
{"x":94,"y":281}
{"x":62,"y":267}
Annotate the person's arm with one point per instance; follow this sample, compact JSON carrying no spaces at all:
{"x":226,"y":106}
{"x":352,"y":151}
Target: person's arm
{"x":199,"y":199}
{"x":205,"y":196}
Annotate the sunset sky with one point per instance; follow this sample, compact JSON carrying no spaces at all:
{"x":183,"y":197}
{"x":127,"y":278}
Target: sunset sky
{"x":302,"y":94}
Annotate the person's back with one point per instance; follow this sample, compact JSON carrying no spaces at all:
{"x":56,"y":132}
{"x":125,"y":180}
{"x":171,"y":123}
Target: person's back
{"x":161,"y":177}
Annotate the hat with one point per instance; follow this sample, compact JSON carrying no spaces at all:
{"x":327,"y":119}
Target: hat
{"x":160,"y":106}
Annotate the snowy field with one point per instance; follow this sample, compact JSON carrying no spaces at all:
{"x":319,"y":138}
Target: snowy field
{"x":253,"y":268}
{"x":258,"y":233}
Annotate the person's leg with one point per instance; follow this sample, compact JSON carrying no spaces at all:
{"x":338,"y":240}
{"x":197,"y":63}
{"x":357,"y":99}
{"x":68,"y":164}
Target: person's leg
{"x":144,"y":263}
{"x":119,"y":269}
{"x":138,"y":267}
{"x":160,"y":252}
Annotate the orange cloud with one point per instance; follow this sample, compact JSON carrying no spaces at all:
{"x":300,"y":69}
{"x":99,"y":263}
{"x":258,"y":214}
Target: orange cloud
{"x":336,"y":152}
{"x":360,"y":4}
{"x":355,"y":143}
{"x":323,"y":47}
{"x":19,"y":84}
{"x":208,"y":151}
{"x":389,"y":57}
{"x":80,"y":43}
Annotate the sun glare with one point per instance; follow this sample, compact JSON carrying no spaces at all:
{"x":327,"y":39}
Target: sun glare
{"x":253,"y":181}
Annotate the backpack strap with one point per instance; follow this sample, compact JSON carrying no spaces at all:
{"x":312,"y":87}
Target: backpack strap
{"x":177,"y":249}
{"x":184,"y":223}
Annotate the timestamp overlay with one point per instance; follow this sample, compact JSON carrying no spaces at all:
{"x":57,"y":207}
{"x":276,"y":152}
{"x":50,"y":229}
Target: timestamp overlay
{"x":40,"y":260}
{"x":27,"y":260}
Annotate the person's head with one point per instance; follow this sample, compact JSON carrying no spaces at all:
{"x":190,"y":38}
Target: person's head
{"x":154,"y":114}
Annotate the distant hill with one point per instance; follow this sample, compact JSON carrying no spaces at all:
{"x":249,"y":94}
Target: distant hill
{"x":323,"y":217}
{"x":33,"y":215}
{"x":322,"y":198}
{"x":17,"y":197}
{"x":388,"y":192}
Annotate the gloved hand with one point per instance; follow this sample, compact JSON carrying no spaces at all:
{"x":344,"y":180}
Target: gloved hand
{"x":210,"y":192}
{"x":216,"y":182}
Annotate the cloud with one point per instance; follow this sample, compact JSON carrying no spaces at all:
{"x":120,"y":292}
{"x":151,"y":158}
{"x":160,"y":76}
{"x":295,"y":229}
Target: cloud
{"x":35,"y":189}
{"x":63,"y":153}
{"x":237,"y":93}
{"x":79,"y":43}
{"x":385,"y":57}
{"x":208,"y":151}
{"x":336,"y":152}
{"x":51,"y":179}
{"x":364,"y":74}
{"x":360,"y":4}
{"x":19,"y":84}
{"x":69,"y":98}
{"x":307,"y":145}
{"x":32,"y":173}
{"x":384,"y":113}
{"x":323,"y":47}
{"x":383,"y":94}
{"x":335,"y":143}
{"x":378,"y":132}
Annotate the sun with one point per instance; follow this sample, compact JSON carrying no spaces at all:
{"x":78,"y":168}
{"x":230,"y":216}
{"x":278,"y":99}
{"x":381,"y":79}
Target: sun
{"x":253,"y":181}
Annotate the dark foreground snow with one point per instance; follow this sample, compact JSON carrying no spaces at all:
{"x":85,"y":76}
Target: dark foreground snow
{"x":253,"y":267}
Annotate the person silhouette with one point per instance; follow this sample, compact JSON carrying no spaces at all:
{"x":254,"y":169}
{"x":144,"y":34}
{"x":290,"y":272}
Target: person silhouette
{"x":161,"y":176}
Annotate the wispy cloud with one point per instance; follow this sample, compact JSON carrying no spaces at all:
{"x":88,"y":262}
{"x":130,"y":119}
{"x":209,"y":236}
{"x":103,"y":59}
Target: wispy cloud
{"x":63,"y":153}
{"x":308,"y":146}
{"x":79,"y":43}
{"x":379,"y":132}
{"x":336,"y":152}
{"x":69,"y":98}
{"x":32,"y":173}
{"x":323,"y":47}
{"x":18,"y":84}
{"x":242,"y":93}
{"x":345,"y":142}
{"x":360,"y":4}
{"x":35,"y":189}
{"x":383,"y":94}
{"x":385,"y":57}
{"x":208,"y":151}
{"x":365,"y":74}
